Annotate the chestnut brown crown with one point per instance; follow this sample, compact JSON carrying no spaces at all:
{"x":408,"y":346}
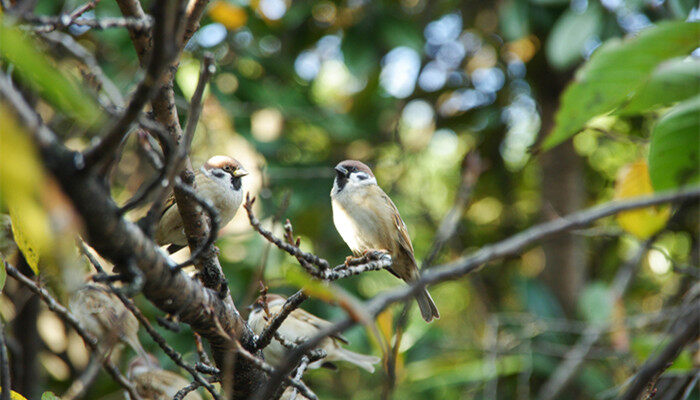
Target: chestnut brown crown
{"x":348,"y":166}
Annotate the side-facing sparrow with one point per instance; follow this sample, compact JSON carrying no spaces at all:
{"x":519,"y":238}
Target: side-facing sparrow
{"x":301,"y":325}
{"x":154,"y":383}
{"x":104,"y":316}
{"x":219,"y":181}
{"x":367,"y":219}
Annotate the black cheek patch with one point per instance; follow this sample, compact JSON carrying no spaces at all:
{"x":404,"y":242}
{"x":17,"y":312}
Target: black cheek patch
{"x":236,"y":183}
{"x":340,"y":181}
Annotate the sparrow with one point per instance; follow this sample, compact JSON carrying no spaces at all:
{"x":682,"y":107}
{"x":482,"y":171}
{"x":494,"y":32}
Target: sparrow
{"x":154,"y":383}
{"x":219,"y":181}
{"x":104,"y":316}
{"x":301,"y":325}
{"x":367,"y":219}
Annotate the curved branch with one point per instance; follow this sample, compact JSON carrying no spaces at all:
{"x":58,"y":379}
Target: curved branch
{"x":467,"y":264}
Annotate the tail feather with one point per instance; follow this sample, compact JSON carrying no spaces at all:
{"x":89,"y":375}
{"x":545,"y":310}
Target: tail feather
{"x":428,"y":309}
{"x":361,"y":360}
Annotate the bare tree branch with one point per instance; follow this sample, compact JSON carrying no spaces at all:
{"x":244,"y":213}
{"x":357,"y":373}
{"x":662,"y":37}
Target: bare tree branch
{"x":46,"y":23}
{"x":160,"y":340}
{"x":160,"y":57}
{"x":575,"y":357}
{"x":467,"y":264}
{"x":655,"y":366}
{"x":293,"y":302}
{"x":66,"y":315}
{"x":370,"y":261}
{"x":79,"y":386}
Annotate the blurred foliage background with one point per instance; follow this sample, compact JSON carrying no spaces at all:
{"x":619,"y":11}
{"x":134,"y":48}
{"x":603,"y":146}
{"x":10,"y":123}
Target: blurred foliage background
{"x":411,"y":87}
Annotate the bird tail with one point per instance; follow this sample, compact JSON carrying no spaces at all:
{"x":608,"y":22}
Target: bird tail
{"x":361,"y":360}
{"x":428,"y":309}
{"x":135,"y":344}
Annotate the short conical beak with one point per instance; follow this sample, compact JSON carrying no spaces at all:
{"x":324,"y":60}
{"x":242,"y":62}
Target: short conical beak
{"x":341,"y":170}
{"x":240,"y":172}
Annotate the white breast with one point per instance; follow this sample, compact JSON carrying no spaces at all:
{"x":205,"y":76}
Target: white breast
{"x":357,"y":224}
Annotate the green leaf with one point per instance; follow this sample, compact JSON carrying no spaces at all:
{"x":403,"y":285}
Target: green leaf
{"x":673,"y":152}
{"x":37,"y":70}
{"x":615,"y":71}
{"x":49,"y":396}
{"x":672,"y":81}
{"x":567,"y":40}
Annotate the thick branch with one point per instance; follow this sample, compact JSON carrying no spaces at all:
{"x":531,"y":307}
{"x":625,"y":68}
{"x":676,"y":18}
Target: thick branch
{"x":122,"y":242}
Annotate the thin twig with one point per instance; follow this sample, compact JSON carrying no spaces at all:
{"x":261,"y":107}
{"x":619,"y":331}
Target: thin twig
{"x":292,"y":303}
{"x":468,"y":264}
{"x":213,"y":222}
{"x":160,"y":57}
{"x":576,"y":356}
{"x":371,"y":261}
{"x":45,"y":24}
{"x":80,"y":386}
{"x":66,"y":315}
{"x":160,"y":340}
{"x":655,"y":366}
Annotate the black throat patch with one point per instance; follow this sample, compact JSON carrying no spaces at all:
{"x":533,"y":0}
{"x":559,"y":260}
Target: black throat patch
{"x":341,"y":181}
{"x":236,"y":183}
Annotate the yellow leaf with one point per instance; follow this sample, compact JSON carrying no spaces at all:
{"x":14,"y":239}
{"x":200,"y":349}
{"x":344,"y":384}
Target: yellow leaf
{"x":384,"y":323}
{"x":632,"y":181}
{"x":14,"y":395}
{"x":229,"y":15}
{"x":20,"y":189}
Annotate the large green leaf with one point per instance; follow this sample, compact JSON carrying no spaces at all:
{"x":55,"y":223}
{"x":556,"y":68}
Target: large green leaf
{"x":567,"y":40}
{"x":672,"y":81}
{"x":675,"y":142}
{"x":615,"y":71}
{"x":37,"y":70}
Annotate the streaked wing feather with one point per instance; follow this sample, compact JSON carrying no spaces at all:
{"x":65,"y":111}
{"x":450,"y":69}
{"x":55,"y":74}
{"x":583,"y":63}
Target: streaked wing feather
{"x":315,"y":321}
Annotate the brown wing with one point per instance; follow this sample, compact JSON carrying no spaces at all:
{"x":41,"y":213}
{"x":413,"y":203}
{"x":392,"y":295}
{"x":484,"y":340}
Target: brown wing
{"x":168,"y":203}
{"x":316,"y":322}
{"x":403,"y":239}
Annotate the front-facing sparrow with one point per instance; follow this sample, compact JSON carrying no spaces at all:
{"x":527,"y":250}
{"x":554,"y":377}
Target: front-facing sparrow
{"x":219,"y":181}
{"x":367,"y":219}
{"x":300,"y":325}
